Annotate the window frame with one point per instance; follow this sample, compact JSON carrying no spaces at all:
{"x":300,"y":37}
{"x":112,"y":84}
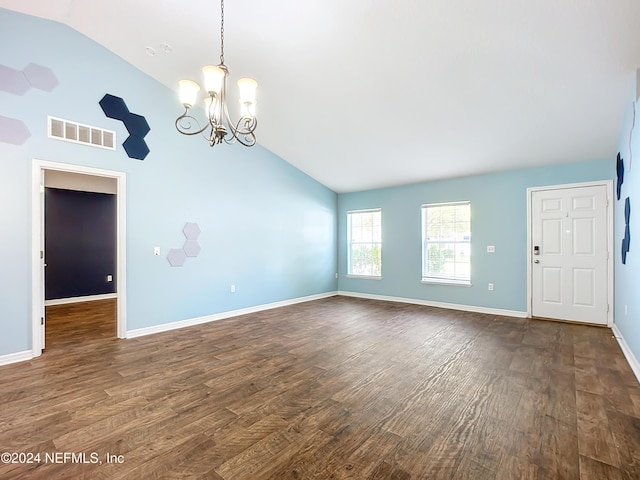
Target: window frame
{"x":350,"y":243}
{"x":440,"y":279}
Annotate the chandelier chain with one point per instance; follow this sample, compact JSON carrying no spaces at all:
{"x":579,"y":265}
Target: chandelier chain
{"x":222,"y":32}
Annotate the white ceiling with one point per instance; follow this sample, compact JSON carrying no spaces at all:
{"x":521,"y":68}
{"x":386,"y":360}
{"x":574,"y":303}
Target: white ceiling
{"x":362,"y":94}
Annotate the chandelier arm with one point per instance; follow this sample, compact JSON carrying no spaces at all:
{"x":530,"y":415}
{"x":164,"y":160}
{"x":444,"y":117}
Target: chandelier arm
{"x":184,"y":126}
{"x":244,"y":134}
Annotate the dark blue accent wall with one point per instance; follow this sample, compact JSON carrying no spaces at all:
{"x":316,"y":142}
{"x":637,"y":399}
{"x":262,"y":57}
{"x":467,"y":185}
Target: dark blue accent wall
{"x":80,"y":243}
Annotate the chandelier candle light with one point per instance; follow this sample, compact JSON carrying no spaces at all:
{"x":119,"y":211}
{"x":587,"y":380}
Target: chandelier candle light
{"x":215,"y":84}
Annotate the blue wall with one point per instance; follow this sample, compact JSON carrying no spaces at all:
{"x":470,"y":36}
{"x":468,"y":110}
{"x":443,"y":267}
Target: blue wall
{"x":627,"y":275}
{"x":498,"y":217}
{"x":266,"y":227}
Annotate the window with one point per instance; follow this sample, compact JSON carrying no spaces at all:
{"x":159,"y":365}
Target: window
{"x":446,"y":243}
{"x":365,"y":243}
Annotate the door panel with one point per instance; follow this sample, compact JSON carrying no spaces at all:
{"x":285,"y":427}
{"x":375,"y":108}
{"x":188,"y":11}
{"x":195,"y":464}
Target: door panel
{"x":552,"y":285}
{"x":570,"y":270}
{"x":584,"y":236}
{"x":552,"y":204}
{"x":584,"y":203}
{"x":552,"y":237}
{"x":584,"y":287}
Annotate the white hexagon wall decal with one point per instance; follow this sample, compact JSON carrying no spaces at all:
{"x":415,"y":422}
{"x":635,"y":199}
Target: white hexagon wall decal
{"x":191,"y":231}
{"x":176,"y":257}
{"x":13,"y":81}
{"x":191,"y":248}
{"x":41,"y":77}
{"x":13,"y":131}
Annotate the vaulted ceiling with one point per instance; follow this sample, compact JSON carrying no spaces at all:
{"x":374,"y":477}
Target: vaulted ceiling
{"x":362,"y":94}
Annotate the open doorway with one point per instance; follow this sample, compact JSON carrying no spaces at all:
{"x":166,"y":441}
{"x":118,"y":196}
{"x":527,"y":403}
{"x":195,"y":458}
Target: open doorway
{"x":78,"y":305}
{"x":80,"y":258}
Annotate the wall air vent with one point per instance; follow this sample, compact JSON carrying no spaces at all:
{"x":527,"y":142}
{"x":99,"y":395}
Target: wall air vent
{"x":78,"y":133}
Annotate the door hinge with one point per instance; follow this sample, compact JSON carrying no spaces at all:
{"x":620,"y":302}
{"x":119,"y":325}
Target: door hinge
{"x":41,"y":254}
{"x":41,"y":320}
{"x":607,"y":308}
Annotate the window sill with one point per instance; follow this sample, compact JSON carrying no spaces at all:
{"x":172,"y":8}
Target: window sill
{"x":364,"y":277}
{"x":455,"y":283}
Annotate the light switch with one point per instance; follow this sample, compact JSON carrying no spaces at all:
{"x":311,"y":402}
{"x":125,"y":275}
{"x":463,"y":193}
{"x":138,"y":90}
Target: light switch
{"x":156,"y":251}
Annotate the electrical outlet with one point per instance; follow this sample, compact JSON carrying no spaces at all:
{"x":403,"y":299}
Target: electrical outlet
{"x":336,"y":275}
{"x":109,"y":278}
{"x":233,"y":289}
{"x":491,"y":249}
{"x":491,"y":287}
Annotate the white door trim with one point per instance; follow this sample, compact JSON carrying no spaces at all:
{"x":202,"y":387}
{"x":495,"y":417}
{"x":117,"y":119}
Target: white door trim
{"x":37,"y":294}
{"x":610,"y":242}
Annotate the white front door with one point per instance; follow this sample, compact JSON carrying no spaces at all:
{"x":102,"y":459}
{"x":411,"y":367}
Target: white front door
{"x":569,"y":238}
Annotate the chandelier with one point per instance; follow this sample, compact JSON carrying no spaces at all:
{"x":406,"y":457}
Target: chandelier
{"x":221,"y":127}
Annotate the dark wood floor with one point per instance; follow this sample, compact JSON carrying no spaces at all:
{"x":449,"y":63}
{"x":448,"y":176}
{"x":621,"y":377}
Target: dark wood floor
{"x":332,"y":389}
{"x":76,"y":324}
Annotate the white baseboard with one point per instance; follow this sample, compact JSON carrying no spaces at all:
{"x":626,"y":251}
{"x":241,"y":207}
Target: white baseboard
{"x":16,"y":357}
{"x":633,"y":361}
{"x":428,"y":303}
{"x":87,"y":298}
{"x":139,"y":332}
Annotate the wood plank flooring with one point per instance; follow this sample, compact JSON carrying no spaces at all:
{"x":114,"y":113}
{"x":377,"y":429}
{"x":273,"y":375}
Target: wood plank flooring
{"x":339,"y":388}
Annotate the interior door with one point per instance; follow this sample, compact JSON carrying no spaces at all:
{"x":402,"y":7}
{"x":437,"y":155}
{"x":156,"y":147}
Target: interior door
{"x":43,"y":264}
{"x":570,"y":254}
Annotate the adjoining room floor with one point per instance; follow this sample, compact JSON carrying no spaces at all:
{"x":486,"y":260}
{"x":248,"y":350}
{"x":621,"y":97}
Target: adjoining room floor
{"x":78,"y":323}
{"x":335,"y":388}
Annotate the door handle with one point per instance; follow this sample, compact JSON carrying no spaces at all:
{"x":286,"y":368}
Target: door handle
{"x":536,"y":261}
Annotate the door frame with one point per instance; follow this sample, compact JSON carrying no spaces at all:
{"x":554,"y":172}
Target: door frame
{"x":37,"y":236}
{"x":610,"y":250}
